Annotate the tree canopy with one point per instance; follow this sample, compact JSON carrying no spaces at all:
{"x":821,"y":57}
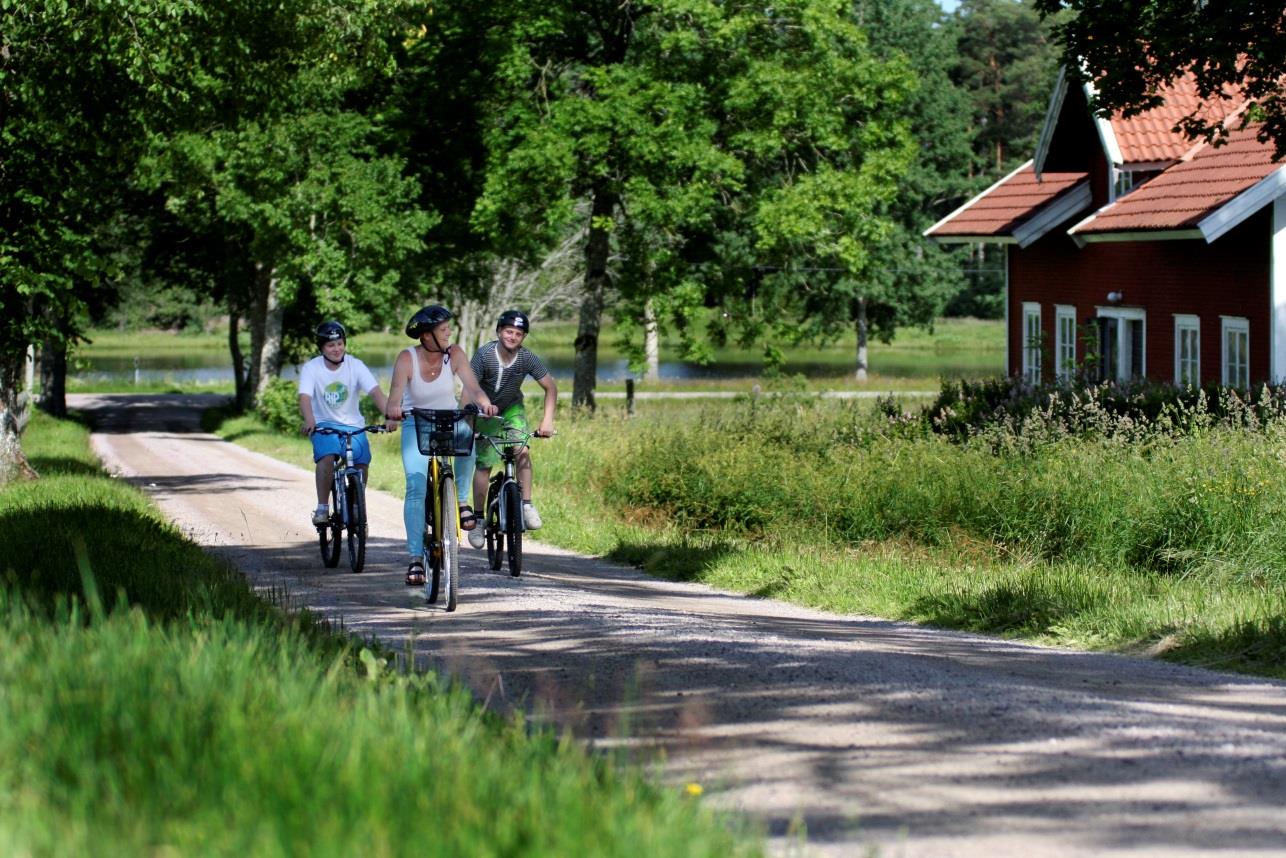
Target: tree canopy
{"x":1131,"y":49}
{"x":286,"y":161}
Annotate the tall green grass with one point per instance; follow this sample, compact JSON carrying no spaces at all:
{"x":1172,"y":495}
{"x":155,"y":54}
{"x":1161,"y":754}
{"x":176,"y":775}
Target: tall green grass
{"x":1173,"y":547}
{"x":1207,"y":504}
{"x":151,"y":703}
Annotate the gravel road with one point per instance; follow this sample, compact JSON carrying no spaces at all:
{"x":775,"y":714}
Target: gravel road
{"x":838,"y":734}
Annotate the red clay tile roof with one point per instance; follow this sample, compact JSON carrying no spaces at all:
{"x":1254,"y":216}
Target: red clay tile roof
{"x":1150,"y":137}
{"x":999,"y":210}
{"x":1186,"y":193}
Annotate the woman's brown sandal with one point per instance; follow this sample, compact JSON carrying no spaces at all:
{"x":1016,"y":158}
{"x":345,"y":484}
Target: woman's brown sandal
{"x":468,"y":518}
{"x":415,"y":574}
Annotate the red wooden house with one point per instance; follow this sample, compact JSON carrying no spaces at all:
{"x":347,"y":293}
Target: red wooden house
{"x":1157,"y":256}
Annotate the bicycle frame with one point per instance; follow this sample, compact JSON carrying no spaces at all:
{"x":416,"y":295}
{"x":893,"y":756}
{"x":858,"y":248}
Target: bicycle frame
{"x":502,"y":514}
{"x":345,"y":468}
{"x":436,"y":438}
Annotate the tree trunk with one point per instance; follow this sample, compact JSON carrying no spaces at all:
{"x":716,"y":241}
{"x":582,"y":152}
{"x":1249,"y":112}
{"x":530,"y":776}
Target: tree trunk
{"x":597,"y":247}
{"x":651,"y":343}
{"x":270,"y":355}
{"x":240,"y":380}
{"x":14,"y":402}
{"x":53,"y":377}
{"x":862,"y":335}
{"x":471,"y":329}
{"x":265,"y":332}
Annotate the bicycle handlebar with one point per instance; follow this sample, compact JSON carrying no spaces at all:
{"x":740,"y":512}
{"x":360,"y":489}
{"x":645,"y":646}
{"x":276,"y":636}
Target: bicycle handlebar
{"x":469,"y":409}
{"x":326,"y":430}
{"x":519,"y":439}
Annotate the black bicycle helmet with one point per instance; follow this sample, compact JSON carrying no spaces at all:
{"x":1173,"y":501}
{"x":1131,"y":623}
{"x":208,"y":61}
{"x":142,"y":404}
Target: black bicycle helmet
{"x":514,"y":319}
{"x":426,"y":319}
{"x":328,"y":332}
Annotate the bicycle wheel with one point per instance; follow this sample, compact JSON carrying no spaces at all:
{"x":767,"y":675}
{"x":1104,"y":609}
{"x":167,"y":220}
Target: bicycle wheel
{"x":355,"y":495}
{"x":495,"y":539}
{"x":329,"y":535}
{"x":513,"y":522}
{"x":432,"y":548}
{"x":450,"y":543}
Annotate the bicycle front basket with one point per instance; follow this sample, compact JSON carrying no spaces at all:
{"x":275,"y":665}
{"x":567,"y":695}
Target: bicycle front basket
{"x":444,"y":432}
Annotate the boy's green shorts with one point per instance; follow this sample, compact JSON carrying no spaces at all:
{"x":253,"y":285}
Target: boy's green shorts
{"x":515,"y":417}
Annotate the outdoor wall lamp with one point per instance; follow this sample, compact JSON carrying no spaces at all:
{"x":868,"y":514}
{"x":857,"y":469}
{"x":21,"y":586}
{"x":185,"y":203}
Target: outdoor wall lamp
{"x":1115,"y":297}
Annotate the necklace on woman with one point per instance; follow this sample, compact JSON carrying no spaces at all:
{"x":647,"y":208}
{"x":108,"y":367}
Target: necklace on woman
{"x":430,"y":370}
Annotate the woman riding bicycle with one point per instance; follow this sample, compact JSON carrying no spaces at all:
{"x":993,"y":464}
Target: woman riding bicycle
{"x":329,"y":387}
{"x":424,"y":376}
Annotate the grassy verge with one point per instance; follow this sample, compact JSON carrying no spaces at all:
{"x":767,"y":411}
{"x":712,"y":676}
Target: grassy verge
{"x":151,"y":703}
{"x":1167,"y":550}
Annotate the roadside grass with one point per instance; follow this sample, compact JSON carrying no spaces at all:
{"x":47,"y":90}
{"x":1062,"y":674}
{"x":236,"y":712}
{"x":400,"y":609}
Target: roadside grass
{"x":1170,"y":551}
{"x":151,"y":703}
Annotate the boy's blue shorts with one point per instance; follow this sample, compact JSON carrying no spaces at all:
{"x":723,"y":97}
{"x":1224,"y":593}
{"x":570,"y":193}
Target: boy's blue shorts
{"x":333,"y":445}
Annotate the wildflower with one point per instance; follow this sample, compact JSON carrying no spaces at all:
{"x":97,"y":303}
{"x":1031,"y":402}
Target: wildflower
{"x":693,"y":789}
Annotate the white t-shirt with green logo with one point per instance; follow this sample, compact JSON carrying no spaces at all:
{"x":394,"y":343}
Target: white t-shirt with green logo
{"x":334,"y":393}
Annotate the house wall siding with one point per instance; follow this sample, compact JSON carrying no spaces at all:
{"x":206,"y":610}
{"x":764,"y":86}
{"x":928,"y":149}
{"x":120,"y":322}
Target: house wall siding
{"x":1227,"y":278}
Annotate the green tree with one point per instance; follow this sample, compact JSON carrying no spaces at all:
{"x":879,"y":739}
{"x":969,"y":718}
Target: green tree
{"x":822,"y":118}
{"x":908,"y":275}
{"x":325,"y":221}
{"x":604,"y":102}
{"x":71,"y":76}
{"x":727,"y":137}
{"x":1132,"y":49}
{"x":1008,"y":64}
{"x":88,"y":87}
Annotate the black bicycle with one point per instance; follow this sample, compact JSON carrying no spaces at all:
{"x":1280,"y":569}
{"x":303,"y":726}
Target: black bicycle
{"x":503,"y":521}
{"x":435,"y":434}
{"x":347,"y":504}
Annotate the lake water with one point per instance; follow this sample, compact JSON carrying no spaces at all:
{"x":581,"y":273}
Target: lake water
{"x":202,"y":367}
{"x":172,"y":369}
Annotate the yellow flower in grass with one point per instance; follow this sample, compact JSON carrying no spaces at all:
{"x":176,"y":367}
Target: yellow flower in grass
{"x":693,"y":789}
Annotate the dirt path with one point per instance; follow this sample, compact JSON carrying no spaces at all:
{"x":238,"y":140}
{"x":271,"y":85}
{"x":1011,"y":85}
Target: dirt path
{"x":860,"y":731}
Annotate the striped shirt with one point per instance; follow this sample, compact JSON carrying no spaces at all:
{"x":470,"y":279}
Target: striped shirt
{"x":503,"y":384}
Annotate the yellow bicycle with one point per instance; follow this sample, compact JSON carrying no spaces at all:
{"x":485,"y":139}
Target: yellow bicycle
{"x":440,"y":435}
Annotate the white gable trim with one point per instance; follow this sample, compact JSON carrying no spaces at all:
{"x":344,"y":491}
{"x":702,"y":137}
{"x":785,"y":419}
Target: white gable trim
{"x":1052,"y":113}
{"x":1234,"y":212}
{"x":1141,"y":235}
{"x":1069,"y":205}
{"x":1006,"y":299}
{"x":1106,"y":133}
{"x":974,"y":239}
{"x":975,"y":199}
{"x":1277,"y":293}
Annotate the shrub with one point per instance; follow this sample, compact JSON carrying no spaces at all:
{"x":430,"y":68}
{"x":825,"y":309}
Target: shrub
{"x":278,"y":406}
{"x":1134,"y":412}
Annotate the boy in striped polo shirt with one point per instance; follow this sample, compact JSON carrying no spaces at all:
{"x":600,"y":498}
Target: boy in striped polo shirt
{"x":501,"y":367}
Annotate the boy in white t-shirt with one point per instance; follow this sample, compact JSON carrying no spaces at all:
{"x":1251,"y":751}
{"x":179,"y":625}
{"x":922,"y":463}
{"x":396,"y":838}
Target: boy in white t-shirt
{"x":329,"y":387}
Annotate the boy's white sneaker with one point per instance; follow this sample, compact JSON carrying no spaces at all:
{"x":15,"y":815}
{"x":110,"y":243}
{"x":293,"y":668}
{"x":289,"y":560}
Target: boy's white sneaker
{"x":530,"y":518}
{"x":321,"y":515}
{"x":476,"y":537}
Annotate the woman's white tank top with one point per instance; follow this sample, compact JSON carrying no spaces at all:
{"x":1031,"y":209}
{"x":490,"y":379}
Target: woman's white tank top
{"x":437,"y":394}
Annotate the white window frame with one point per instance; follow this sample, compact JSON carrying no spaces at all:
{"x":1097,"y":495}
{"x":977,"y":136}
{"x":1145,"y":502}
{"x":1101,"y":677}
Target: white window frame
{"x":1031,"y":341}
{"x":1064,"y":341}
{"x":1184,"y":323}
{"x":1232,"y":374}
{"x":1127,"y":314}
